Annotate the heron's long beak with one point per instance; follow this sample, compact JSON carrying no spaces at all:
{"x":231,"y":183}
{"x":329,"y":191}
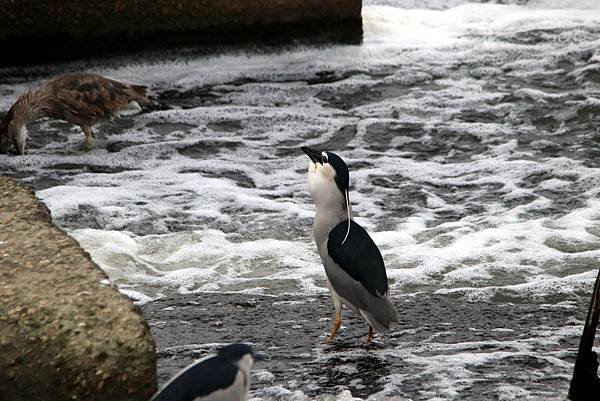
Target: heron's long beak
{"x":314,"y":154}
{"x":261,"y":356}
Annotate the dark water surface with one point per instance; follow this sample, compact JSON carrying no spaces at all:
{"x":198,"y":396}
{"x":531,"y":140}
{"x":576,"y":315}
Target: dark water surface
{"x":443,"y":347}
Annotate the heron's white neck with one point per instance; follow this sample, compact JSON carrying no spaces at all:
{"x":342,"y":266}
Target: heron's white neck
{"x":22,"y":135}
{"x":244,"y":365}
{"x":32,"y":105}
{"x":330,"y":211}
{"x":331,"y":204}
{"x":325,"y":221}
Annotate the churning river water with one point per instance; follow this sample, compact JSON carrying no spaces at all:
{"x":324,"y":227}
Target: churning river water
{"x":472,"y":134}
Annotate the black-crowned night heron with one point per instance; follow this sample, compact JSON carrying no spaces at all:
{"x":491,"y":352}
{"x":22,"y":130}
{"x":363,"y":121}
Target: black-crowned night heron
{"x":80,"y":99}
{"x":225,"y":376}
{"x":354,"y":266}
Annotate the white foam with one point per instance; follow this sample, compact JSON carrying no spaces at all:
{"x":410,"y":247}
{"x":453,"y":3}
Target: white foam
{"x":200,"y":261}
{"x":277,"y":109}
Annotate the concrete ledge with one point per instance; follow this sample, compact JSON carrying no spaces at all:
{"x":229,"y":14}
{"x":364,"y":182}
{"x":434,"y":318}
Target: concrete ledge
{"x":41,"y":30}
{"x":64,"y":332}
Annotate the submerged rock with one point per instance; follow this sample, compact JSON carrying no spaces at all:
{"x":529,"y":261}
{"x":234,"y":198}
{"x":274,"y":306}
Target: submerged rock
{"x":65,"y":332}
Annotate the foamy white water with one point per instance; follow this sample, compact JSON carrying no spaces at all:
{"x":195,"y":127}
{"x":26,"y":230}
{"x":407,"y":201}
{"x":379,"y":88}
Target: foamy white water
{"x":469,"y":129}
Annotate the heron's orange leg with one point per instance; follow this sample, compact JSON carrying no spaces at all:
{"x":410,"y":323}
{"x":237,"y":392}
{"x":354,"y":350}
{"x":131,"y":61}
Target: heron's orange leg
{"x":336,"y":326}
{"x":370,"y":336}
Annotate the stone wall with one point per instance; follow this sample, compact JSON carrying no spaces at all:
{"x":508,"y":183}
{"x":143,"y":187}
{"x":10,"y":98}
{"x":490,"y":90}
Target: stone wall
{"x":34,"y":30}
{"x":65,"y":332}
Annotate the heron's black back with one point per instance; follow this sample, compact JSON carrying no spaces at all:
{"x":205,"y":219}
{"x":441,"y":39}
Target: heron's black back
{"x":358,"y":256}
{"x":199,"y":380}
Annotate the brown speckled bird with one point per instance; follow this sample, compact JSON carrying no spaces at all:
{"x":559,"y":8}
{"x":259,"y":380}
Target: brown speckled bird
{"x":80,"y":99}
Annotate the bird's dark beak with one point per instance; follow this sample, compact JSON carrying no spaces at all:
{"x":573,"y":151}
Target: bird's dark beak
{"x":260,"y":356}
{"x":314,"y":154}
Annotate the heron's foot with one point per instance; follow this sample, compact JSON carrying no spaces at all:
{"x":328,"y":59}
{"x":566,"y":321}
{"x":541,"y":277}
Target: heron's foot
{"x":332,"y":335}
{"x":89,"y":135}
{"x":336,"y":327}
{"x":370,"y":336}
{"x":89,"y":145}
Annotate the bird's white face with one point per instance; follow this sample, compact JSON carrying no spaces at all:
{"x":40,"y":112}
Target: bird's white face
{"x":322,"y":185}
{"x":22,"y":139}
{"x":246,"y":363}
{"x":18,"y":136}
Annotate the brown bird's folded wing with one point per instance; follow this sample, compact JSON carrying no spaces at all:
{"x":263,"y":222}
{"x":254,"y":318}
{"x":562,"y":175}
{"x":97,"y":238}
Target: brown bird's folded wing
{"x":86,"y":98}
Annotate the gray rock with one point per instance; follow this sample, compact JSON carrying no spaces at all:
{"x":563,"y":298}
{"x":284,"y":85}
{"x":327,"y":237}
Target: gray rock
{"x":65,"y":332}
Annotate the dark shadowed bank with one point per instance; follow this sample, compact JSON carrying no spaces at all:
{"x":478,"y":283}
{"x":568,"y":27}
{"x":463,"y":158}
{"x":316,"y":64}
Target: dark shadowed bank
{"x":65,"y":331}
{"x":38,"y":31}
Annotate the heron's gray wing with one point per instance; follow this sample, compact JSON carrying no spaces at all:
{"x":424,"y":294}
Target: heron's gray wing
{"x":199,"y":380}
{"x":359,"y":257}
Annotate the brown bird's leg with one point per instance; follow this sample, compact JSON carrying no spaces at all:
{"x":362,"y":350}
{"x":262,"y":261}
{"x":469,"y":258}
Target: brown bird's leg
{"x":370,"y":336}
{"x":89,"y":137}
{"x":336,"y":325}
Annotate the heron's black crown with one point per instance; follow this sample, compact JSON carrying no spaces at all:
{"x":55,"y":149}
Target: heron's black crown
{"x":235,"y":352}
{"x":342,"y":176}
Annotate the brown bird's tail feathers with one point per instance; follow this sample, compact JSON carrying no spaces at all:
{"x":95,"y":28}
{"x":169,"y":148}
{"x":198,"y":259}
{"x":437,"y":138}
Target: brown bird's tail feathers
{"x":138,"y":92}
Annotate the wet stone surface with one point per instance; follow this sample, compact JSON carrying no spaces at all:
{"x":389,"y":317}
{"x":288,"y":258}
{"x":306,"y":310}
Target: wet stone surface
{"x":472,"y":343}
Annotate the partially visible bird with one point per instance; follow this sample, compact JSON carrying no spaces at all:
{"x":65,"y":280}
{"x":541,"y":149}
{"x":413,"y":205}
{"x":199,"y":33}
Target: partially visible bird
{"x":355,"y":270}
{"x":80,"y":99}
{"x":225,"y":376}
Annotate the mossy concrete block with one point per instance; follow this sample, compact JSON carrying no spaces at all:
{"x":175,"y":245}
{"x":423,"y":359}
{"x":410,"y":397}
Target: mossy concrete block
{"x":65,"y":332}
